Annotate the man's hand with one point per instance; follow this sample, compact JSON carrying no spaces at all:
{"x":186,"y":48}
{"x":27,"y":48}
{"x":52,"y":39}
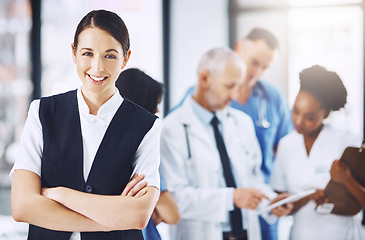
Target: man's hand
{"x":283,"y":209}
{"x":248,"y":198}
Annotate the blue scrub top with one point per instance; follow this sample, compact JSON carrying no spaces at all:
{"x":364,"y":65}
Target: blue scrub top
{"x":151,"y":232}
{"x":278,"y":116}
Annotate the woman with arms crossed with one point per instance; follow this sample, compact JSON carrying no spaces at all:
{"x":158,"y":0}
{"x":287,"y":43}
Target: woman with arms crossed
{"x":81,"y":148}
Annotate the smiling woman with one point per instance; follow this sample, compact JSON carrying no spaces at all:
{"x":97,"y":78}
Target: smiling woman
{"x":84,"y":153}
{"x":99,"y":59}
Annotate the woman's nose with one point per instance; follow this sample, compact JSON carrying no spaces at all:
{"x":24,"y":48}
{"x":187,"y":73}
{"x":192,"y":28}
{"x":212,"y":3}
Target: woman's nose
{"x":98,"y":64}
{"x":298,"y":121}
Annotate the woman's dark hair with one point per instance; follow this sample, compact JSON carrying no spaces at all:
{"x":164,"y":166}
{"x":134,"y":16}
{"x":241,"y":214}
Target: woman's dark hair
{"x":325,"y":86}
{"x":140,"y":88}
{"x":107,"y":21}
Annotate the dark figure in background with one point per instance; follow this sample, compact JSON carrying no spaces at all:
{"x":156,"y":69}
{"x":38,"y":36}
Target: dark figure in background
{"x":143,"y":90}
{"x":140,"y":88}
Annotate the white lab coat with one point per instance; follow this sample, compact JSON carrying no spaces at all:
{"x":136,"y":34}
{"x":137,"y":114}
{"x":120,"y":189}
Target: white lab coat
{"x":194,"y":181}
{"x":294,"y":171}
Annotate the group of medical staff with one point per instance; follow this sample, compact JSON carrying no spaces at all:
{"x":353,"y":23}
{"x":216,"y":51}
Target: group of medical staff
{"x":272,"y":150}
{"x":94,"y":165}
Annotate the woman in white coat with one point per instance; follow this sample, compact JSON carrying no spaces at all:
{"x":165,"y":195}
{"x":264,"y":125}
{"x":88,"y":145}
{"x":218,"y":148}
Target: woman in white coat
{"x":305,"y":156}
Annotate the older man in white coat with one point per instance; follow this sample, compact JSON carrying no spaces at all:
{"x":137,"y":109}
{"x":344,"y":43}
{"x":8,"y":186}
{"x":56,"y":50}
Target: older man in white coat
{"x":209,"y":192}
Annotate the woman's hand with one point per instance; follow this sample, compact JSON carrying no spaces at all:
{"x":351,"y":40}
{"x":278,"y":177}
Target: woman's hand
{"x":51,"y":193}
{"x":319,"y":197}
{"x":283,"y":209}
{"x":135,"y":186}
{"x":340,"y":172}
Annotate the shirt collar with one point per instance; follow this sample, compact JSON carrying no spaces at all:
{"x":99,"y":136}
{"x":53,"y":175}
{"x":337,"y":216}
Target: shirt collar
{"x":203,"y":114}
{"x":258,"y":89}
{"x":106,"y":111}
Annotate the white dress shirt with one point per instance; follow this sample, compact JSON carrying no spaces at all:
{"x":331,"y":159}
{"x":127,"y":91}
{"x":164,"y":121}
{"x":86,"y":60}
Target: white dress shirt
{"x":93,"y":128}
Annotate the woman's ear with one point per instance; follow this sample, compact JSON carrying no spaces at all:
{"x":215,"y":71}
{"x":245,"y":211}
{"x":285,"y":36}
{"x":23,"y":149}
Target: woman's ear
{"x":327,"y":113}
{"x":126,"y":59}
{"x":73,"y":52}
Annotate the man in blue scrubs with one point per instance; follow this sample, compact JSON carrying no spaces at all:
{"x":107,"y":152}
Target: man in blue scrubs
{"x":263,"y":103}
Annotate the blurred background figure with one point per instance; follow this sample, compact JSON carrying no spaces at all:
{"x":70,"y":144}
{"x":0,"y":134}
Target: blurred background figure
{"x":263,"y":102}
{"x":305,"y":156}
{"x":211,"y":159}
{"x":143,"y":90}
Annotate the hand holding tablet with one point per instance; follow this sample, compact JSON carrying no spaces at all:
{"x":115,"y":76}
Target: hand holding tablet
{"x":289,"y":199}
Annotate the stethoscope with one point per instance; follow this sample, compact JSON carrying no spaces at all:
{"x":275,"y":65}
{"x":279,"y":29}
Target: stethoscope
{"x":261,"y":104}
{"x":186,"y":126}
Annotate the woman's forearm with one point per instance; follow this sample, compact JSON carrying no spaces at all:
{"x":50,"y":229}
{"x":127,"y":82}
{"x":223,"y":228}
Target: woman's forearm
{"x":115,"y":212}
{"x":300,"y":203}
{"x":31,"y":207}
{"x":356,"y":190}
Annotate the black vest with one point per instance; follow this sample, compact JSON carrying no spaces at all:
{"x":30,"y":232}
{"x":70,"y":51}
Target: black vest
{"x":62,"y":159}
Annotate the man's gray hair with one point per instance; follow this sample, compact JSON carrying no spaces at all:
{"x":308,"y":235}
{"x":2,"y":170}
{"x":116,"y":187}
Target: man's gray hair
{"x":216,"y":59}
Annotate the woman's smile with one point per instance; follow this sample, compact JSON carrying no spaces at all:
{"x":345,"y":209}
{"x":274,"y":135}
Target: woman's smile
{"x":97,"y":80}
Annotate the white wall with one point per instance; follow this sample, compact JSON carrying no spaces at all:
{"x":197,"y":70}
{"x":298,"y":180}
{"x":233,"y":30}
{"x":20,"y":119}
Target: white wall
{"x":196,"y":27}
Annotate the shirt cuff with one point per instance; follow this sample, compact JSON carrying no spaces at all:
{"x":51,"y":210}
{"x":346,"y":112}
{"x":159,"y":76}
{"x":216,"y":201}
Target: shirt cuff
{"x":229,"y":199}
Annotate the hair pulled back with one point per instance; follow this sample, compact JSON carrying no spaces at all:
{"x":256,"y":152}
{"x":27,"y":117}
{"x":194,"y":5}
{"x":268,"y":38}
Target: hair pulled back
{"x":326,"y":86}
{"x":107,"y":21}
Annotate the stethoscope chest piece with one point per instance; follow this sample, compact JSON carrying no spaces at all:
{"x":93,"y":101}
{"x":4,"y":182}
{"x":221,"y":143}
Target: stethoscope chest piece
{"x":261,"y":108}
{"x":263,"y":123}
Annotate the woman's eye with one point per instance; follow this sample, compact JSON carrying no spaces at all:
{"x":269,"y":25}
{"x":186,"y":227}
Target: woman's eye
{"x":310,"y":119}
{"x":110,"y":56}
{"x":89,"y":54}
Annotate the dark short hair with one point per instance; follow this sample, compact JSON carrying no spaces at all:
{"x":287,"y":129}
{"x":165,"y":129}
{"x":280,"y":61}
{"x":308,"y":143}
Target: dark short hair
{"x":268,"y":37}
{"x":325,"y":86}
{"x":107,"y":21}
{"x":140,"y":88}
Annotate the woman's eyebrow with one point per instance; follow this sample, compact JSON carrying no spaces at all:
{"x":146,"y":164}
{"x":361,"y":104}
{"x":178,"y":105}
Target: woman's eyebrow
{"x":87,"y":49}
{"x":112,"y":50}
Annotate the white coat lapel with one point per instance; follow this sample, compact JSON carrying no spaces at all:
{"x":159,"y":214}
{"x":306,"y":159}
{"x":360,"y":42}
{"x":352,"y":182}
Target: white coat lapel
{"x":230,"y":134}
{"x":195,"y":127}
